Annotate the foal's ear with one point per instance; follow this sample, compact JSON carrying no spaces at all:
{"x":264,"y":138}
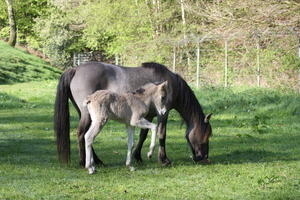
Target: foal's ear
{"x":164,"y":85}
{"x":207,"y":118}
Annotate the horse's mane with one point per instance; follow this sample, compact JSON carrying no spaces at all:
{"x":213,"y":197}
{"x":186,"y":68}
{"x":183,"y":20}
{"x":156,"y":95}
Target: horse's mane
{"x":185,"y":101}
{"x":158,"y":68}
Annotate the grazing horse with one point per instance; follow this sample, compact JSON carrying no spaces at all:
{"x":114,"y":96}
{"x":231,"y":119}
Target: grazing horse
{"x":77,"y":83}
{"x":129,"y":108}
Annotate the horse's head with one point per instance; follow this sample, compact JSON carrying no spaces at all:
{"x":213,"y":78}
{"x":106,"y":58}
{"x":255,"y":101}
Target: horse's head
{"x":198,"y":139}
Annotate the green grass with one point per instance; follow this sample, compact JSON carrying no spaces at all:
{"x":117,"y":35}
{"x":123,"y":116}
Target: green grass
{"x":18,"y":66}
{"x":255,"y":151}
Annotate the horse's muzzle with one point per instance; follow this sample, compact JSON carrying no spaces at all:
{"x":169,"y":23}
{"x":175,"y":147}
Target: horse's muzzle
{"x":201,"y":159}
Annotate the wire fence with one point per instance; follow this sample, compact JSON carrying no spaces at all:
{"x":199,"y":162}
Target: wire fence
{"x":269,"y":59}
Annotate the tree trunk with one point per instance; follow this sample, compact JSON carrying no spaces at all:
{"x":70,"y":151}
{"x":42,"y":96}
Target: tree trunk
{"x":12,"y":23}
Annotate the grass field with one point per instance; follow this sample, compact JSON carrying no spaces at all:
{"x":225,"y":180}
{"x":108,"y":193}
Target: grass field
{"x":18,"y":66}
{"x":255,"y":151}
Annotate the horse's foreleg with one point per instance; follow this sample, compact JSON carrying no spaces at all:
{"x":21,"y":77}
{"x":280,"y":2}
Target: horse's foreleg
{"x":137,"y":151}
{"x":161,"y":130}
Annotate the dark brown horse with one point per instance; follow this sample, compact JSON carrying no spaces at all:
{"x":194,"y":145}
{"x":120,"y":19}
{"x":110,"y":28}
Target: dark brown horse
{"x":77,"y":83}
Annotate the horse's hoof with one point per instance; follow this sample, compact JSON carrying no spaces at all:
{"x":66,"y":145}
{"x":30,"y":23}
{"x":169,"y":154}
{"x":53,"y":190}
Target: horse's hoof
{"x":205,"y":162}
{"x":165,"y":162}
{"x":137,"y":158}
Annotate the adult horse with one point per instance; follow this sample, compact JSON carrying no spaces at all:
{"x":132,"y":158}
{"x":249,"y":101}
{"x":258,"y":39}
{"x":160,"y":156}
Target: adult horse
{"x":77,"y":83}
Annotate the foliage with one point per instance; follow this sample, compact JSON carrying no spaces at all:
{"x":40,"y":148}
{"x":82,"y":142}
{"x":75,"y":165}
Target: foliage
{"x":26,"y":12}
{"x":139,"y":31}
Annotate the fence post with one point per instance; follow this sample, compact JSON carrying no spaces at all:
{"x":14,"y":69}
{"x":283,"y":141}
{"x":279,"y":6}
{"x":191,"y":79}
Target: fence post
{"x":74,"y":60}
{"x":299,"y":69}
{"x":198,"y":65}
{"x":258,"y":62}
{"x":226,"y":64}
{"x":117,"y":59}
{"x":174,"y":59}
{"x":299,"y":48}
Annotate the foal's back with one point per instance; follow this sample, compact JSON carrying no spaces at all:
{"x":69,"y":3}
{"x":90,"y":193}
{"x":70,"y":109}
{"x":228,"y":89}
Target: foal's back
{"x":120,"y":107}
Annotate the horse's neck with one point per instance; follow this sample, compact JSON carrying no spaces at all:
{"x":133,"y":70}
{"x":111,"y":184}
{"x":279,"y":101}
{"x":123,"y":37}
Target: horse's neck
{"x":192,"y":116}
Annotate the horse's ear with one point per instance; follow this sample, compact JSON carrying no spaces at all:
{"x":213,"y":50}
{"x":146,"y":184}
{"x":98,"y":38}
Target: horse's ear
{"x":207,"y":118}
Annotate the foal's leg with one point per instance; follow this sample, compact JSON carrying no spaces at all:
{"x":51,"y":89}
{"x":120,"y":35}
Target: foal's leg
{"x":89,"y":137}
{"x":130,"y":143}
{"x":145,"y":124}
{"x":83,"y":127}
{"x":142,"y":137}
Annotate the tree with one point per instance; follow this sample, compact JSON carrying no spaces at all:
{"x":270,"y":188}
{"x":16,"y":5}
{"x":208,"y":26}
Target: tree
{"x":12,"y":23}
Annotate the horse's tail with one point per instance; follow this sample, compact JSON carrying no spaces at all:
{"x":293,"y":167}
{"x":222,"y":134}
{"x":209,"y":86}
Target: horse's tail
{"x":62,"y":116}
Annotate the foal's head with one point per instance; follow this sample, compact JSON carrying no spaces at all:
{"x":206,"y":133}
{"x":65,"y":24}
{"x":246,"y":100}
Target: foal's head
{"x":157,"y":94}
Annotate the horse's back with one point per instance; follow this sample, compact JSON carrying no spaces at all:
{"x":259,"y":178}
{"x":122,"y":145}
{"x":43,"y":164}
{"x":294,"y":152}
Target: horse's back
{"x":94,"y":76}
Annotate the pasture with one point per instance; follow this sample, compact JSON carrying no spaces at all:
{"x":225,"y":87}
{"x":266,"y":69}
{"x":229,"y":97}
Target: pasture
{"x":255,"y":150}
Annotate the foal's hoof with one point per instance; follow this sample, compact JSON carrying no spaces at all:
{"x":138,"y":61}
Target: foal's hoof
{"x":132,"y":169}
{"x":149,"y":155}
{"x":92,"y":170}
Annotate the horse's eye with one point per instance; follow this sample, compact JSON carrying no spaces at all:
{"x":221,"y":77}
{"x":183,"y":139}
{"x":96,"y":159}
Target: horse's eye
{"x":163,"y":98}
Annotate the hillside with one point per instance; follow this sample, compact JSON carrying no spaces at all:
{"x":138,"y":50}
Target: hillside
{"x":18,"y":66}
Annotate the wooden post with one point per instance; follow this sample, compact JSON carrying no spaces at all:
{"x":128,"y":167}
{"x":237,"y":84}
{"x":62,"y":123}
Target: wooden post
{"x":174,"y":59}
{"x":74,"y":59}
{"x":198,"y":65}
{"x":226,"y":64}
{"x":258,"y":63}
{"x":299,"y":69}
{"x":117,"y":59}
{"x":299,"y":49}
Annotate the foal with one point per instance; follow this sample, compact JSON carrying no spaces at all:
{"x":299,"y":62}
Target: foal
{"x":129,"y":108}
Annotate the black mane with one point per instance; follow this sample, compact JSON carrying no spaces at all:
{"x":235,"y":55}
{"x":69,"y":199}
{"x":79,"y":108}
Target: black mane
{"x":158,"y":68}
{"x":185,"y":102}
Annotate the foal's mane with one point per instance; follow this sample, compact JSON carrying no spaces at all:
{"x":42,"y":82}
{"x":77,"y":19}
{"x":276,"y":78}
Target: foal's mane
{"x":185,"y":101}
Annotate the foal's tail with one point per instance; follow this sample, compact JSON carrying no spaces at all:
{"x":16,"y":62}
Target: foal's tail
{"x":62,"y":116}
